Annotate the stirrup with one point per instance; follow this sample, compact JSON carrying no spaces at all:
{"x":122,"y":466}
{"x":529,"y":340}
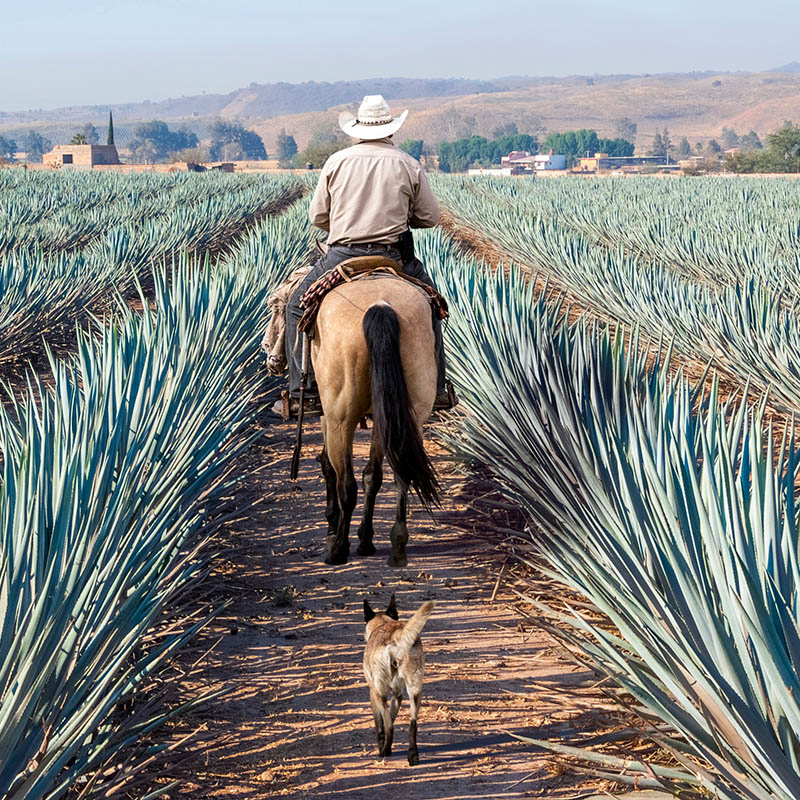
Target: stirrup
{"x":289,"y":406}
{"x":447,"y":399}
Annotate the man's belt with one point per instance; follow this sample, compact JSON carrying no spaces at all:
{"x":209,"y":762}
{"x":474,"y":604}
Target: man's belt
{"x":404,"y":245}
{"x":371,"y":245}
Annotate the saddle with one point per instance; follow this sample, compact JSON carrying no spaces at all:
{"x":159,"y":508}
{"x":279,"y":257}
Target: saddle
{"x":359,"y":268}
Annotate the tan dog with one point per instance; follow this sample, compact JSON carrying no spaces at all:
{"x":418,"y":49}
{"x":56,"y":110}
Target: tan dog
{"x":393,"y":661}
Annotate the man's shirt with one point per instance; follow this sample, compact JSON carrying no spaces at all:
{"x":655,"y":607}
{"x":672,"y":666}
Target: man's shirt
{"x":372,"y":192}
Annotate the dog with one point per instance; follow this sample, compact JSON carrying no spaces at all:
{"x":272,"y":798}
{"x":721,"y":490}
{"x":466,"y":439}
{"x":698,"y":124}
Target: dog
{"x":393,"y":660}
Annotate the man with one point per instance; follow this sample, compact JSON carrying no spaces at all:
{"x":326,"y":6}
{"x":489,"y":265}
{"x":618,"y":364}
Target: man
{"x":367,"y":198}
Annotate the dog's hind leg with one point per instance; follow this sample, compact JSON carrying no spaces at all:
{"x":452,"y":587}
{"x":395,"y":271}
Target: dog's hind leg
{"x":413,"y":753}
{"x":384,"y":727}
{"x":378,"y":708}
{"x":373,"y":478}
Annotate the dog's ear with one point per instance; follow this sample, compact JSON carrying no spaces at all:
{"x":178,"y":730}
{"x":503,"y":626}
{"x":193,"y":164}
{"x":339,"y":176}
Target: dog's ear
{"x":368,"y":612}
{"x":391,"y":610}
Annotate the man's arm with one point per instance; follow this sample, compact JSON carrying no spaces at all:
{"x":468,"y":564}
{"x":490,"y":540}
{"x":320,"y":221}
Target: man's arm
{"x":319,"y":212}
{"x":424,"y":210}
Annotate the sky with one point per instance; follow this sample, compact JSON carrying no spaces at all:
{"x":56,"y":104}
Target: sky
{"x":58,"y":54}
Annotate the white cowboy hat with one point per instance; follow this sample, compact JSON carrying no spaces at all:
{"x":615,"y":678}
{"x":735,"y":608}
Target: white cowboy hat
{"x":374,"y":120}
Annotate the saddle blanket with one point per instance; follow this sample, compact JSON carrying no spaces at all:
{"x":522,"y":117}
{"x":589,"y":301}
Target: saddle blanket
{"x":274,"y":341}
{"x":359,"y":268}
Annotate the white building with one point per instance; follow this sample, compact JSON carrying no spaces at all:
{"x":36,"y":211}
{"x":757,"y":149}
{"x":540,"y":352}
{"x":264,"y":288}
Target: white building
{"x":549,"y":161}
{"x":497,"y":173}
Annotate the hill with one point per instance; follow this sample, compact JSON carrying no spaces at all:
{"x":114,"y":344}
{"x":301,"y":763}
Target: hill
{"x":695,"y":105}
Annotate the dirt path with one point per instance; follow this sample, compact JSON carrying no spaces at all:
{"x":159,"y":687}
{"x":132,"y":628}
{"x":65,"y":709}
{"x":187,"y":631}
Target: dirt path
{"x":295,"y":720}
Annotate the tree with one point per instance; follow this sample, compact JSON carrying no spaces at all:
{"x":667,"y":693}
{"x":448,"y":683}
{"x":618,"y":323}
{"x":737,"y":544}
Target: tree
{"x":323,"y":143}
{"x":7,"y":148}
{"x":89,"y":133}
{"x":585,"y":142}
{"x":785,"y":143}
{"x":35,"y":145}
{"x":286,"y":147}
{"x":457,"y":125}
{"x":659,"y":149}
{"x":625,"y":128}
{"x":154,"y":141}
{"x":413,"y":147}
{"x":713,"y":147}
{"x":506,"y":129}
{"x":668,"y":146}
{"x":684,"y":148}
{"x":698,"y":147}
{"x":616,"y":148}
{"x":192,"y":155}
{"x":782,"y":153}
{"x":729,"y":139}
{"x":573,"y":144}
{"x":78,"y":138}
{"x":750,"y":141}
{"x":231,"y":141}
{"x":110,"y":136}
{"x":462,"y":154}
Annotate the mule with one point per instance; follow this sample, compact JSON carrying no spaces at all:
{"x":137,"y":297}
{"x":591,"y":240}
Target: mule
{"x":373,"y":352}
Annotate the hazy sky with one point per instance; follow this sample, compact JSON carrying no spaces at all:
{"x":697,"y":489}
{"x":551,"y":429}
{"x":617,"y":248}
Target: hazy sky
{"x":55,"y":53}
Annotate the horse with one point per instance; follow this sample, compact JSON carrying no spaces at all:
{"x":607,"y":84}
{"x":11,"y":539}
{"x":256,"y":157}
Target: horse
{"x":373,"y":352}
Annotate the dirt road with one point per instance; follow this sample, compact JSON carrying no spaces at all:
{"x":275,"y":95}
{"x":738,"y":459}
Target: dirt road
{"x":295,"y":718}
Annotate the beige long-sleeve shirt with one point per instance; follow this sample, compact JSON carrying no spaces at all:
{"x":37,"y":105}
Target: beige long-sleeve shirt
{"x":372,"y":192}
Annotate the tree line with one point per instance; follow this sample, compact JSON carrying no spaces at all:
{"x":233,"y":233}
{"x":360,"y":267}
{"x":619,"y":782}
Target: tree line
{"x":153,"y":142}
{"x":227,"y":141}
{"x":782,"y":153}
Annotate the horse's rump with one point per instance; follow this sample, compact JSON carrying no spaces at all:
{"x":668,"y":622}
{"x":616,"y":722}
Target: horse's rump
{"x":339,"y":353}
{"x":374,"y":351}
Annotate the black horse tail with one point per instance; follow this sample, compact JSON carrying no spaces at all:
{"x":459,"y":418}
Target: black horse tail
{"x":395,"y":426}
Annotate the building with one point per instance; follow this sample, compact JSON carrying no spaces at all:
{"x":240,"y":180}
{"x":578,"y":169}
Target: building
{"x":495,"y":172}
{"x":549,"y":161}
{"x":602,"y":161}
{"x":513,"y":157}
{"x":81,"y":155}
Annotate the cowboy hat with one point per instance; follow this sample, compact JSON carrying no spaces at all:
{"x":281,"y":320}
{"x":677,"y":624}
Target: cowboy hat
{"x":374,"y":120}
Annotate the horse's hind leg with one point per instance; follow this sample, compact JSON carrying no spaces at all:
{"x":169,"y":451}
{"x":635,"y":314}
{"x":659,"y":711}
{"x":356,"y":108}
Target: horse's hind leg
{"x":338,"y":446}
{"x":373,"y":478}
{"x":399,"y":534}
{"x":332,"y":503}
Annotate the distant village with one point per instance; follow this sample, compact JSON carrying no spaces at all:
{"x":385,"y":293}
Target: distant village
{"x":244,"y":151}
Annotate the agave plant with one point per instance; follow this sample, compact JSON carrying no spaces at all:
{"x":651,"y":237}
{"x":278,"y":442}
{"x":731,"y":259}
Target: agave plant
{"x":748,"y":326}
{"x":109,"y":475}
{"x":666,"y":509}
{"x":42,"y":287}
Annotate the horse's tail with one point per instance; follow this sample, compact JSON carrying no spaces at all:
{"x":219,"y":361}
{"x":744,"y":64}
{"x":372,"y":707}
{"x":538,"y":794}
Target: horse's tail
{"x":394,"y":423}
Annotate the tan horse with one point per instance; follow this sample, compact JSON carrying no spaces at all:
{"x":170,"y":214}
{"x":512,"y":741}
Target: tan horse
{"x":373,"y":352}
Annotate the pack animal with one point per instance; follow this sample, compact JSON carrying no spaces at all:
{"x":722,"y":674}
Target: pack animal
{"x":373,"y":352}
{"x":394,"y":661}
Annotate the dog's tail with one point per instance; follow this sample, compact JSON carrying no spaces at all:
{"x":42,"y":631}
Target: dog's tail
{"x":391,"y":407}
{"x":413,"y":628}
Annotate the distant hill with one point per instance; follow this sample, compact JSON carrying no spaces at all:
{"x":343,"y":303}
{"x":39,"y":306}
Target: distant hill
{"x":696,"y":105}
{"x":794,"y":66}
{"x":269,"y":99}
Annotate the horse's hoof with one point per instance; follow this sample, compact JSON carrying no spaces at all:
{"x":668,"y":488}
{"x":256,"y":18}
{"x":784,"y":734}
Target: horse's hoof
{"x":385,"y":752}
{"x":366,"y":549}
{"x":336,"y":559}
{"x":413,"y":757}
{"x":397,"y":561}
